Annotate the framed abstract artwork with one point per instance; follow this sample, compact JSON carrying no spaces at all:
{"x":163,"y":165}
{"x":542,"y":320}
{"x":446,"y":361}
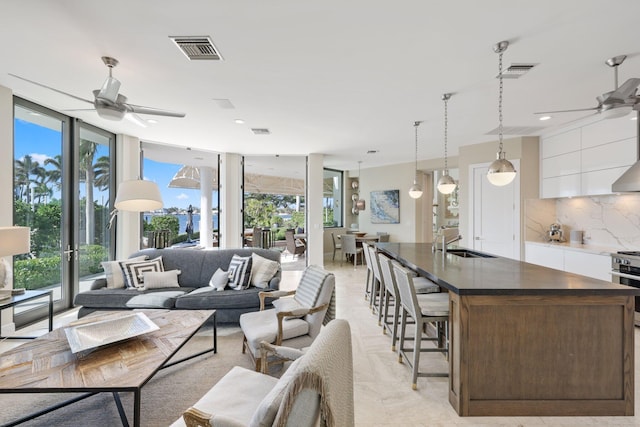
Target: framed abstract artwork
{"x":385,"y":207}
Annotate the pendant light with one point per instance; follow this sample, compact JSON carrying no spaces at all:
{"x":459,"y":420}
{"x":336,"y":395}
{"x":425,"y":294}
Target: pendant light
{"x":446,"y":184}
{"x":415,"y":192}
{"x":501,"y":171}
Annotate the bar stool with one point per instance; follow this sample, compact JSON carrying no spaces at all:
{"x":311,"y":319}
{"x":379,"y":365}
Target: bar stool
{"x":370,"y":278}
{"x":424,"y":309}
{"x":375,"y":302}
{"x":391,"y":294}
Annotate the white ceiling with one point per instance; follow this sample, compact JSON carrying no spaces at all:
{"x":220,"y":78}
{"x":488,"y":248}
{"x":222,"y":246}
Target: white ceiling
{"x":332,"y":77}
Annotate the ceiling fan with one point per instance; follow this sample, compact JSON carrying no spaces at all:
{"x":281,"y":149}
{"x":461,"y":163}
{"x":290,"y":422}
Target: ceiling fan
{"x":108,"y":102}
{"x":622,"y":99}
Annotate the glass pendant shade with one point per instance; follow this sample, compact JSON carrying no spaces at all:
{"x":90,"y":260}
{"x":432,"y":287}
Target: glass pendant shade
{"x":415,"y":192}
{"x":501,"y":171}
{"x":446,"y":184}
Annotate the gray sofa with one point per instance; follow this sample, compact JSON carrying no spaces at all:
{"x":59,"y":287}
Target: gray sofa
{"x":194,"y":293}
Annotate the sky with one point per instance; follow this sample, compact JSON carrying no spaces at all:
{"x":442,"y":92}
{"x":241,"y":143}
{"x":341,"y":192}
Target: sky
{"x":42,"y":142}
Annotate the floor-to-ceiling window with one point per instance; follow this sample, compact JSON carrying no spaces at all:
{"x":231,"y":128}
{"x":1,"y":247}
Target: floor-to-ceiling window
{"x":188,"y":182}
{"x":332,"y":196}
{"x":274,"y":202}
{"x":62,"y":177}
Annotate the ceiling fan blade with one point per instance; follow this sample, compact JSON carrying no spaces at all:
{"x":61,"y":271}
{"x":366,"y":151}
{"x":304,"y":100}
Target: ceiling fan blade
{"x":569,"y":111}
{"x":109,"y":89}
{"x":139,"y":109}
{"x":135,"y":119}
{"x":51,"y":88}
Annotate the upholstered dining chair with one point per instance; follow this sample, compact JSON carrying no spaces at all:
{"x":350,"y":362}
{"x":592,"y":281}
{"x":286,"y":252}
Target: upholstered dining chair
{"x":337,"y":246}
{"x":295,"y":321}
{"x":383,"y":236}
{"x":424,"y":309}
{"x":349,"y":247}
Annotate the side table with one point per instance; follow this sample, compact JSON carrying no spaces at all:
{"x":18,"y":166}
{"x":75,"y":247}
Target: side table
{"x":22,"y":298}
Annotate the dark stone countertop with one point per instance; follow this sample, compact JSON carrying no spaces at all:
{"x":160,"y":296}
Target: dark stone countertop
{"x":496,"y":276}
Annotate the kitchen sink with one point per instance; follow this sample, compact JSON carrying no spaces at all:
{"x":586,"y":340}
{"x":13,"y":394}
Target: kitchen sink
{"x":466,"y":253}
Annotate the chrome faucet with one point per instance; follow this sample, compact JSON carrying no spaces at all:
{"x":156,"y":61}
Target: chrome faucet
{"x":446,"y":243}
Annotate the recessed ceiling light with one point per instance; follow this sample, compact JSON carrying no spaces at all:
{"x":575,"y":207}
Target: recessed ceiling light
{"x":634,"y":118}
{"x":239,"y":121}
{"x":543,"y":118}
{"x":152,"y":121}
{"x":372,"y":151}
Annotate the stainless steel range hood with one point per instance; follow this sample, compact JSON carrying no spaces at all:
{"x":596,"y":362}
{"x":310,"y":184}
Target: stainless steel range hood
{"x":629,"y":181}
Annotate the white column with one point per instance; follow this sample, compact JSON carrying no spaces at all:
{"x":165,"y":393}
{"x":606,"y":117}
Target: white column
{"x":206,"y":216}
{"x":128,"y":229}
{"x":314,"y":227}
{"x":230,"y":214}
{"x":6,"y":184}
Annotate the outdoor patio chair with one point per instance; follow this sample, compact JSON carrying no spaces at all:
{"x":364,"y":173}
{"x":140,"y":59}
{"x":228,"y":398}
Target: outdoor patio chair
{"x":294,"y":246}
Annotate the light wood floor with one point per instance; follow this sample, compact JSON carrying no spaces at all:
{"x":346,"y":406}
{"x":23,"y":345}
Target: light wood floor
{"x":383,"y":394}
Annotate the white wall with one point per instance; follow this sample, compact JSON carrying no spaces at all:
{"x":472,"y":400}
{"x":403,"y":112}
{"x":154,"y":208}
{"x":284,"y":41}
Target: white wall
{"x":394,"y":177}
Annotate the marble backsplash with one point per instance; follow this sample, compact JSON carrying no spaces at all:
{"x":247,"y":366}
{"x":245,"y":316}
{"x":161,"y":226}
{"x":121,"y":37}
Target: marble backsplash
{"x":612,"y":221}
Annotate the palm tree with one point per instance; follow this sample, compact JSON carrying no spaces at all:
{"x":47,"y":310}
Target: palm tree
{"x":87,"y":153}
{"x":54,"y":175}
{"x":102,"y":172}
{"x":24,"y":169}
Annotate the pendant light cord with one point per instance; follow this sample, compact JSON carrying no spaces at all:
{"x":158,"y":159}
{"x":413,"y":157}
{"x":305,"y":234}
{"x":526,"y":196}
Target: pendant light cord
{"x":446,"y":124}
{"x":500,"y":102}
{"x":416,"y":124}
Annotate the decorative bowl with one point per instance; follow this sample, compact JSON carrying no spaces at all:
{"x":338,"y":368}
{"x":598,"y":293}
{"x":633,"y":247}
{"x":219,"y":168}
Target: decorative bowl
{"x":91,"y":335}
{"x":360,"y":233}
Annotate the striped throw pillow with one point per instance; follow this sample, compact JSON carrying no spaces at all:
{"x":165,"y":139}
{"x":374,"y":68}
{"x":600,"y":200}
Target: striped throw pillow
{"x":239,"y":272}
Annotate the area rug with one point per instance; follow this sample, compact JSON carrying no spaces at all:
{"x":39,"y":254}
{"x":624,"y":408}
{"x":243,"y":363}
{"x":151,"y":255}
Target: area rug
{"x":164,"y":398}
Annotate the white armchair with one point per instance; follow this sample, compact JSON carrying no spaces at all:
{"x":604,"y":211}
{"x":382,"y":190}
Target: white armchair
{"x":295,"y":321}
{"x":316,"y":390}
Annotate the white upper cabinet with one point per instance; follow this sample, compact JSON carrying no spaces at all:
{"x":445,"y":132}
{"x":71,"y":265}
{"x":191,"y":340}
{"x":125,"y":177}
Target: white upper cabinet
{"x":587,"y":158}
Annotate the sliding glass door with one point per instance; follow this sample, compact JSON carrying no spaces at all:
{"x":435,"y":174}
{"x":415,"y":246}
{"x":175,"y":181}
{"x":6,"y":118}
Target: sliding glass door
{"x":62,"y":177}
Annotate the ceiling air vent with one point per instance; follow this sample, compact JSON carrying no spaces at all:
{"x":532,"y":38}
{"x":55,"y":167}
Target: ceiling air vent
{"x":197,"y":47}
{"x":516,"y":71}
{"x":260,"y":131}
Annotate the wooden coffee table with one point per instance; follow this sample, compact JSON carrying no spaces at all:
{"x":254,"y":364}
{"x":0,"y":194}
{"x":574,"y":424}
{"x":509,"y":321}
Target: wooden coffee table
{"x":46,"y":364}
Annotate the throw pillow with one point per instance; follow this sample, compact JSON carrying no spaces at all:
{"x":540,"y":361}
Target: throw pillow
{"x":133,"y":271}
{"x":113,"y":272}
{"x":219,"y":279}
{"x":262,"y":270}
{"x":266,"y":412}
{"x":239,"y":272}
{"x":161,"y":279}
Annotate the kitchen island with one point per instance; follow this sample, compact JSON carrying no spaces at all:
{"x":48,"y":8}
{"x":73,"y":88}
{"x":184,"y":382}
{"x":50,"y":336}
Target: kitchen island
{"x":530,"y":340}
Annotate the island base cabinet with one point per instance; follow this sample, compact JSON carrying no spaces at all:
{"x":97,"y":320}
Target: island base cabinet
{"x":541,"y":355}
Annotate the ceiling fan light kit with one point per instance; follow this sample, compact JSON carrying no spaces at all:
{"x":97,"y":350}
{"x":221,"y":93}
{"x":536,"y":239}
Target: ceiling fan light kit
{"x":108,"y":102}
{"x":501,"y":172}
{"x":415,"y":191}
{"x":446,"y":184}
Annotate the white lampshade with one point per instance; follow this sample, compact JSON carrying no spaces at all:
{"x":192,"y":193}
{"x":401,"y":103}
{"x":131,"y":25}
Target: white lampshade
{"x":138,"y":195}
{"x":501,"y":171}
{"x":14,"y":240}
{"x":415,"y":192}
{"x":446,"y":184}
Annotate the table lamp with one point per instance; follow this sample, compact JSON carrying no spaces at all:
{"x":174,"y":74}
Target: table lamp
{"x":13,"y":241}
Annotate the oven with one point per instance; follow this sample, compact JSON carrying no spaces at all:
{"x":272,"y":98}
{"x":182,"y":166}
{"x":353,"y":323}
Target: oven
{"x":625,"y":270}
